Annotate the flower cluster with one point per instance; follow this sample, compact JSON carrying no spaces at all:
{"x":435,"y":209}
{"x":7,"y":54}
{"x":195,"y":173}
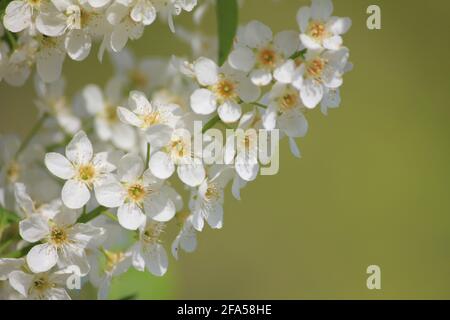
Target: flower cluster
{"x":43,"y":32}
{"x":109,"y":169}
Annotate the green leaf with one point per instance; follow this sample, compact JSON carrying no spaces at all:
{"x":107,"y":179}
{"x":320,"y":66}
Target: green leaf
{"x":227,"y":24}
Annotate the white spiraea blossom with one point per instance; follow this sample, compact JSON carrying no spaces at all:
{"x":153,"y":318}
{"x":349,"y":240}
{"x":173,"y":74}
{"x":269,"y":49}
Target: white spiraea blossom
{"x":137,"y":194}
{"x":64,"y":240}
{"x":222,"y":89}
{"x":178,"y":154}
{"x":148,"y":253}
{"x":262,"y":55}
{"x":103,"y":107}
{"x":81,"y":168}
{"x":156,"y":120}
{"x":319,"y":30}
{"x":320,"y":71}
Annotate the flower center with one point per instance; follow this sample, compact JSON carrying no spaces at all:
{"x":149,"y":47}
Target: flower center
{"x":110,"y":114}
{"x":267,"y":58}
{"x":212,"y":192}
{"x":139,"y":79}
{"x":86,"y":173}
{"x":179,"y":149}
{"x":317,"y":30}
{"x":137,"y":192}
{"x":58,"y":236}
{"x":112,"y":259}
{"x":315,"y":67}
{"x":13,"y":172}
{"x":225,"y":89}
{"x":151,"y":119}
{"x":152,"y":232}
{"x":288,"y":101}
{"x":40,"y":284}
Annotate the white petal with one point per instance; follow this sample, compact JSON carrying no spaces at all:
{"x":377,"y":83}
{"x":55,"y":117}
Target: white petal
{"x":286,"y":72}
{"x":215,"y":217}
{"x":303,"y":16}
{"x":42,"y":258}
{"x":156,"y":260}
{"x":247,"y":168}
{"x":191,"y":174}
{"x":128,"y":117}
{"x":49,"y":63}
{"x":161,"y":165}
{"x":311,"y":93}
{"x":270,"y":118}
{"x":287,"y":42}
{"x":123,"y":136}
{"x":257,"y":34}
{"x":21,"y":282}
{"x":294,"y":124}
{"x":8,"y":265}
{"x":131,"y":167}
{"x":51,"y":24}
{"x":17,"y":16}
{"x":294,"y":148}
{"x":230,"y":112}
{"x":159,"y":207}
{"x":321,"y":9}
{"x":203,"y":102}
{"x":339,"y":25}
{"x":98,"y":3}
{"x":309,"y":42}
{"x":34,"y":228}
{"x":137,"y":257}
{"x":130,"y":216}
{"x":119,"y":37}
{"x":58,"y":165}
{"x":78,"y":44}
{"x":75,"y":194}
{"x":332,"y":43}
{"x":139,"y":103}
{"x":110,"y":194}
{"x":93,"y":99}
{"x":248,"y":91}
{"x":206,"y":71}
{"x":158,"y":135}
{"x":242,"y":59}
{"x":261,"y":77}
{"x":79,"y":150}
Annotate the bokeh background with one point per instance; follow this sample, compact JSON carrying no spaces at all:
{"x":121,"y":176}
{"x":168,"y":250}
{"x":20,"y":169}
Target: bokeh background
{"x":372,"y":186}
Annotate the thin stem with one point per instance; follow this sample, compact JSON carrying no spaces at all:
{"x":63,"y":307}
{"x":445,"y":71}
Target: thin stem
{"x":260,"y":105}
{"x":31,"y":134}
{"x":110,"y":215}
{"x":147,"y":160}
{"x":85,"y":218}
{"x":211,"y":123}
{"x":298,"y":54}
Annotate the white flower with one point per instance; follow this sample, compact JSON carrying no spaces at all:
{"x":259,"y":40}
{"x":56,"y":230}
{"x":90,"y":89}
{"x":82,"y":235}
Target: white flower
{"x":20,"y":60}
{"x":27,"y":207}
{"x":77,"y":20}
{"x":117,"y":263}
{"x":158,"y":120}
{"x":241,"y":149}
{"x":148,"y":253}
{"x":260,"y":53}
{"x":318,"y":29}
{"x":40,"y":286}
{"x":103,"y":107}
{"x":128,"y":19}
{"x":52,"y":100}
{"x":285,"y":111}
{"x":320,"y":70}
{"x":207,"y":201}
{"x":140,"y":74}
{"x":222,"y":89}
{"x":170,"y":8}
{"x":20,"y":15}
{"x":331,"y":100}
{"x":63,"y":241}
{"x":186,"y":238}
{"x":178,"y":153}
{"x":50,"y":58}
{"x":81,"y":168}
{"x":137,"y":194}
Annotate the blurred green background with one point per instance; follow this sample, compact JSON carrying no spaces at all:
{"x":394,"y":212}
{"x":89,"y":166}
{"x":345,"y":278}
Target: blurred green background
{"x":372,"y":186}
